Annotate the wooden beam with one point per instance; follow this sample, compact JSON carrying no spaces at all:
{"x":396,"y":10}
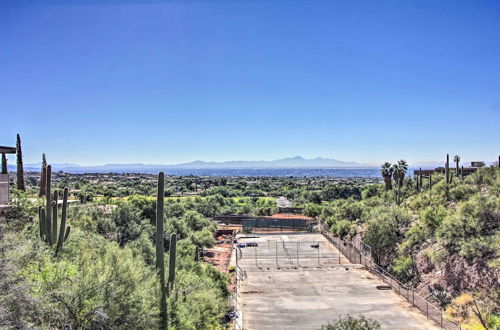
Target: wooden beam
{"x":7,"y":150}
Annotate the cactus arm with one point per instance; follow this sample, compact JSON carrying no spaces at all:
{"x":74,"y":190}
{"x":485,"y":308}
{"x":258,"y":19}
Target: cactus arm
{"x":172,"y":259}
{"x":48,"y":204}
{"x":54,"y":217}
{"x":67,"y":233}
{"x":41,"y":222}
{"x":62,"y":229}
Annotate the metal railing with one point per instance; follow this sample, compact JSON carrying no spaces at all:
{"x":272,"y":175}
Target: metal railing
{"x":363,"y":255}
{"x":240,"y":276}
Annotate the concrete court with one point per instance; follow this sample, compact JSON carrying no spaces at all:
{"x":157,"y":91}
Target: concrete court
{"x":278,"y":294}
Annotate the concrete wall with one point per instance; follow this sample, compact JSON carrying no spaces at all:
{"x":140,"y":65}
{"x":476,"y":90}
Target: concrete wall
{"x":4,"y":189}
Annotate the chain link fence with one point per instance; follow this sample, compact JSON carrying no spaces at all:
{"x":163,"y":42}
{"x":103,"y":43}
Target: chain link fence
{"x":363,"y":255}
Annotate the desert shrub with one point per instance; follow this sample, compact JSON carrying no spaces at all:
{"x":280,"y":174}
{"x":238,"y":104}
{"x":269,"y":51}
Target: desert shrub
{"x":342,"y":228}
{"x":475,"y":310}
{"x":312,"y":210}
{"x":352,"y":323}
{"x":202,"y":238}
{"x":461,"y":192}
{"x":415,"y":236}
{"x":129,"y":223}
{"x":24,"y":207}
{"x":404,"y":268}
{"x":431,"y":218}
{"x":93,"y":283}
{"x":372,"y":190}
{"x":383,"y":230}
{"x":195,"y":221}
{"x":473,"y":230}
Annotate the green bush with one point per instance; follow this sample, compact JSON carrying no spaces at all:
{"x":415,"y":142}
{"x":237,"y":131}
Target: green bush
{"x":404,"y":268}
{"x":473,"y":230}
{"x":352,"y":323}
{"x":342,"y":228}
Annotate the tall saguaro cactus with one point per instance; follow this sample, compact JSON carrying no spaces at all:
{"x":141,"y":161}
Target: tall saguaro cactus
{"x":20,"y":168}
{"x":43,"y":177}
{"x":160,"y":250}
{"x":447,"y":168}
{"x":48,"y":216}
{"x":160,"y":253}
{"x":456,"y":159}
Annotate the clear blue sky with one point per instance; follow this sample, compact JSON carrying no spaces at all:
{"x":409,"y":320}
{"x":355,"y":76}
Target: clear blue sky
{"x":176,"y":81}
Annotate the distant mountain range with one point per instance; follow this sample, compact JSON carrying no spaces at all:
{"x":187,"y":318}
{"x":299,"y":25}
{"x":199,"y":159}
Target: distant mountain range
{"x":291,"y":162}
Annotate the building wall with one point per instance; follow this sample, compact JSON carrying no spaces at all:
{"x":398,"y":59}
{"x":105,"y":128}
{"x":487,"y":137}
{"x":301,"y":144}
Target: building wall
{"x":4,"y":189}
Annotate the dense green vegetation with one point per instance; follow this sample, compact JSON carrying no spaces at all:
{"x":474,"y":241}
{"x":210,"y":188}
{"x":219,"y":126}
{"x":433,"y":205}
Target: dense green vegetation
{"x":105,"y":276}
{"x":448,"y":222}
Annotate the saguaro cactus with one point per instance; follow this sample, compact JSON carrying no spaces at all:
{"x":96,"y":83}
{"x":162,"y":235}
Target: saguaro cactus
{"x":172,"y":259}
{"x":43,"y":177}
{"x":160,"y":253}
{"x":48,"y":216}
{"x":447,"y":169}
{"x":456,"y":159}
{"x":160,"y":250}
{"x":430,"y":181}
{"x":197,"y":254}
{"x":20,"y":168}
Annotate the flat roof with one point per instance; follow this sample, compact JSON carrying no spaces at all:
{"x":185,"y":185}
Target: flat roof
{"x":7,"y":150}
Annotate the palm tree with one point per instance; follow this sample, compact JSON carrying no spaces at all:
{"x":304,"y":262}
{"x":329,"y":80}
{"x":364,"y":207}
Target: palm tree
{"x":456,"y":159}
{"x":386,"y":171}
{"x":399,"y":171}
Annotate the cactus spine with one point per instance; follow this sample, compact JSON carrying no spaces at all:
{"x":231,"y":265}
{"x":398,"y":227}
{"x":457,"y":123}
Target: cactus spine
{"x":48,"y":216}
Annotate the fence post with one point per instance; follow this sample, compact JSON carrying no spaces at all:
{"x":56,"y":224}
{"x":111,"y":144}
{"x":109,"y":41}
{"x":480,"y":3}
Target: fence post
{"x":427,"y":309}
{"x":319,"y":262}
{"x":255,"y":249}
{"x":413,"y":297}
{"x":277,"y":265}
{"x":298,"y":254}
